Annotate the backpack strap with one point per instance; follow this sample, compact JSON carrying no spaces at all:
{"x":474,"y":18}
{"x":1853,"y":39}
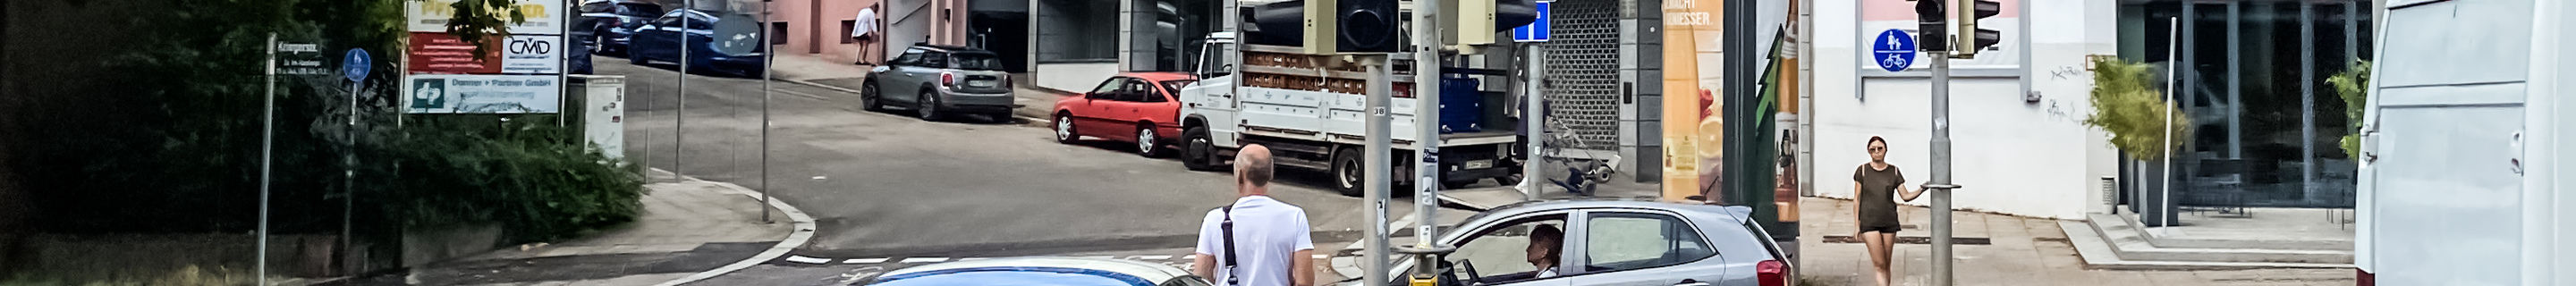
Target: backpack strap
{"x":1228,"y":228}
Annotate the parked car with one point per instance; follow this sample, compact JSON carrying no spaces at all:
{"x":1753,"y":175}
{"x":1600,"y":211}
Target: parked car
{"x":1060,"y":271}
{"x":608,"y":24}
{"x":660,"y":41}
{"x":934,"y":80}
{"x":1141,"y":108}
{"x":1608,"y":242}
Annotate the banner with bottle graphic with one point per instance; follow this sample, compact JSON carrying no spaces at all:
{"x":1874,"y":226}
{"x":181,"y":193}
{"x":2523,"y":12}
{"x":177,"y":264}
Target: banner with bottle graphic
{"x":1695,"y":111}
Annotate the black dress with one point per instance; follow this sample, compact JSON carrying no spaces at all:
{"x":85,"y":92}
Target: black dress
{"x":1877,"y":197}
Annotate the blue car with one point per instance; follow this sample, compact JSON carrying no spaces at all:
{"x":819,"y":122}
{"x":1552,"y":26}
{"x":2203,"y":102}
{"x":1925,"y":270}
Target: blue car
{"x":1053,"y":271}
{"x":607,"y":24}
{"x":660,"y":41}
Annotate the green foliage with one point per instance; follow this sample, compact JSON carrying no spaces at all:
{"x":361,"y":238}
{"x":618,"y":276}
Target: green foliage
{"x":527,"y":175}
{"x":2129,"y":107}
{"x":2354,"y":85}
{"x":476,"y":21}
{"x":186,"y":276}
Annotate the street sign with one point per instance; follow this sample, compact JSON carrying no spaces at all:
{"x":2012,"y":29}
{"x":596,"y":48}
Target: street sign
{"x":300,"y":59}
{"x":1893,"y":51}
{"x":1536,"y":31}
{"x":355,"y":65}
{"x":737,"y":34}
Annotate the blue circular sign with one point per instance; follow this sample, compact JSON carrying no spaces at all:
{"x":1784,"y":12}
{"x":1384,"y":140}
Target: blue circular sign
{"x":356,"y":64}
{"x":1893,"y":51}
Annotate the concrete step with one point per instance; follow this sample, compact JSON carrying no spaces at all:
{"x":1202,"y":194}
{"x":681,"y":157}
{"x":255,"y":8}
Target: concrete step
{"x":2134,"y":244}
{"x":2100,"y":253}
{"x":2129,"y":222}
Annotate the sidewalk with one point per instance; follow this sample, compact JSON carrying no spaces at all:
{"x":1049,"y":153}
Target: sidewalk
{"x":2023,"y":251}
{"x":690,"y":229}
{"x":1034,"y":102}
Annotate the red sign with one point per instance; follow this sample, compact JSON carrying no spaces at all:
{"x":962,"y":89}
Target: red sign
{"x":440,"y":53}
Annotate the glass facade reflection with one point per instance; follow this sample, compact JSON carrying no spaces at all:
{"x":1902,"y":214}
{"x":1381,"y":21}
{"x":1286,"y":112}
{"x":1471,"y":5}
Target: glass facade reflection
{"x":2266,"y":127}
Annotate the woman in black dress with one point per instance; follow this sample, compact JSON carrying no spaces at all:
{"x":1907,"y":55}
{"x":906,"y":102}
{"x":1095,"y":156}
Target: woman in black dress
{"x":1877,"y":185}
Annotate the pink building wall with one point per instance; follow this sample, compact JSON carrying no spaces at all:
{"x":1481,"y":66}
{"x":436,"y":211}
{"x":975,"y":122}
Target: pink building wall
{"x":830,"y":41}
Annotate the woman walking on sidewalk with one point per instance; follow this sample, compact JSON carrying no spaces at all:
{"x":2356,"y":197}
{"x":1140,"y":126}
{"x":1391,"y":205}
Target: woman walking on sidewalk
{"x":1877,"y":185}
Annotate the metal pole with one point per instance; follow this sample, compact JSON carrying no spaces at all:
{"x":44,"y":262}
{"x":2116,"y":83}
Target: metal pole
{"x":1426,"y":119}
{"x":2165,"y":200}
{"x":349,"y":174}
{"x":768,"y":61}
{"x":1940,"y":184}
{"x":1380,"y":161}
{"x":2308,"y":101}
{"x":267,"y":143}
{"x":1533,"y":122}
{"x":680,"y":114}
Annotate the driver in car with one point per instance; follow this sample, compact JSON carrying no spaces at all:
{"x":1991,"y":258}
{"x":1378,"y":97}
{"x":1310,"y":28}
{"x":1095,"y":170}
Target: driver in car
{"x":1544,"y":242}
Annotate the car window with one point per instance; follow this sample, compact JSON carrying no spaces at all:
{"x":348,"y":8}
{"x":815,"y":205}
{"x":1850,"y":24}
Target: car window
{"x":1624,"y":241}
{"x":1503,"y":254}
{"x":934,"y":60}
{"x":667,"y":21}
{"x":1108,"y":89}
{"x":601,"y":6}
{"x":701,"y":23}
{"x":908,"y":57}
{"x":977,"y":61}
{"x":1174,"y":86}
{"x":638,"y":10}
{"x":1137,"y":91}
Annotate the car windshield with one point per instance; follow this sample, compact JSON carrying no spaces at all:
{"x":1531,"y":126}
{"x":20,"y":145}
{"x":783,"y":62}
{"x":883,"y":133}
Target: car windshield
{"x":638,"y":10}
{"x":1177,"y":84}
{"x":976,"y":61}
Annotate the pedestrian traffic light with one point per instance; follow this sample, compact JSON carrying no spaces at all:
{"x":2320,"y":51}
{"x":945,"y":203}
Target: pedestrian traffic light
{"x":1933,"y":33}
{"x":1977,"y":39}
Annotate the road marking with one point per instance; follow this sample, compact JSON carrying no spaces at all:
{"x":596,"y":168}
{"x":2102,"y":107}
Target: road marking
{"x":1321,"y":256}
{"x":971,"y":259}
{"x":1154,"y":257}
{"x":803,"y":232}
{"x":807,"y":260}
{"x":864,"y":261}
{"x":924,"y":259}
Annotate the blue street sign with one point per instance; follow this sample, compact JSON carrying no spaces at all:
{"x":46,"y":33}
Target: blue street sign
{"x":1893,"y":51}
{"x":356,"y":64}
{"x":1536,"y":31}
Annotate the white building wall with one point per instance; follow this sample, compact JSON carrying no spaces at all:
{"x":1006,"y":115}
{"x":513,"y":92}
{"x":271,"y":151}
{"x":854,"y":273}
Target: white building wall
{"x":2014,"y":155}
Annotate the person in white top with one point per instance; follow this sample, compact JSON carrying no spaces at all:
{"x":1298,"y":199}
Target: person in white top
{"x":1269,"y":243}
{"x":864,"y":30}
{"x":1543,"y":253}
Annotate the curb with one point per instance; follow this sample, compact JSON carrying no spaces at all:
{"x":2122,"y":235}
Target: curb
{"x":804,"y":232}
{"x":1014,"y":113}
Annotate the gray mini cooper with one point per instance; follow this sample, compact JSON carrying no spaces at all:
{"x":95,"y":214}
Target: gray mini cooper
{"x":937,"y":81}
{"x":1605,"y":242}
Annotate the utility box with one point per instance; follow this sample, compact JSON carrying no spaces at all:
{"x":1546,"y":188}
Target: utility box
{"x":603,"y":112}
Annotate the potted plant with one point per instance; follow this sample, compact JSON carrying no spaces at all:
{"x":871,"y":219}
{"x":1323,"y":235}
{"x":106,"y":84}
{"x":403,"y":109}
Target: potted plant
{"x":2128,"y":105}
{"x":2353,"y":84}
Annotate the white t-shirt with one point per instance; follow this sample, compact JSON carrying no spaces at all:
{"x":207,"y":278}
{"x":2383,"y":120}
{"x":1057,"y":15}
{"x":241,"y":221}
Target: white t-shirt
{"x":866,"y":23}
{"x":1267,"y":236}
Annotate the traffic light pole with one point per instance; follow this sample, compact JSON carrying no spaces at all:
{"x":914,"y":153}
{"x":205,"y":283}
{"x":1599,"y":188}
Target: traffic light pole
{"x":1426,"y":119}
{"x":1381,"y":155}
{"x":1940,"y":185}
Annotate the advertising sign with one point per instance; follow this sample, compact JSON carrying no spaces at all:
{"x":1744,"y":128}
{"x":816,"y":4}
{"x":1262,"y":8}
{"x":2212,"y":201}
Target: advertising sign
{"x":532,"y":55}
{"x":440,"y":53}
{"x":442,"y":93}
{"x":544,"y":17}
{"x":1696,"y":109}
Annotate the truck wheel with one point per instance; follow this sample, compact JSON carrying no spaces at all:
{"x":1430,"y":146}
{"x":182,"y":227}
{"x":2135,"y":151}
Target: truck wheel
{"x":1148,"y":144}
{"x":1197,"y":151}
{"x":1349,"y":176}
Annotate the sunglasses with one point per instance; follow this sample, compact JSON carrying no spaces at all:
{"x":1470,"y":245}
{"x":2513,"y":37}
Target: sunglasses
{"x":1878,"y":148}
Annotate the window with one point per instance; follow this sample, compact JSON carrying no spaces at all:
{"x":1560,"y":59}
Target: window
{"x":775,"y":29}
{"x":848,"y":26}
{"x":1505,"y":253}
{"x":1108,"y":89}
{"x":934,"y":60}
{"x":1625,"y":241}
{"x":909,"y":57}
{"x":667,"y":21}
{"x":701,"y":24}
{"x":1174,"y":86}
{"x":1216,"y":61}
{"x":638,"y":10}
{"x":1136,"y":91}
{"x":978,"y":61}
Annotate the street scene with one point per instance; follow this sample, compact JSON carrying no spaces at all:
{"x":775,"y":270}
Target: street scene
{"x":1285,"y":142}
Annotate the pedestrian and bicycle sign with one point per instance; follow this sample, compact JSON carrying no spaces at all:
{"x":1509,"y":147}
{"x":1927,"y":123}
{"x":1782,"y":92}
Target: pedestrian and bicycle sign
{"x":1536,"y":31}
{"x":1894,"y":50}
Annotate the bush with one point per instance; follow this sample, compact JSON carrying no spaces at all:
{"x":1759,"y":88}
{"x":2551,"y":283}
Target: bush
{"x":530,"y":178}
{"x":2137,"y":116}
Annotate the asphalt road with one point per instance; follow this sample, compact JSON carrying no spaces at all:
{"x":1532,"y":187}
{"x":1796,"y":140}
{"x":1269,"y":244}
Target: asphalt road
{"x":886,"y":184}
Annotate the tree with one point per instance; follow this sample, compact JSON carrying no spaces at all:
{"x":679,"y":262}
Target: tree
{"x":2137,"y":116}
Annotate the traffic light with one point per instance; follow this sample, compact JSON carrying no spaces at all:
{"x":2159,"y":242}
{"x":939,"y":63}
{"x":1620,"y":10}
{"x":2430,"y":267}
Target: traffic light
{"x":1366,"y":26}
{"x":1979,"y":39}
{"x":1477,"y":22}
{"x":1933,"y":33}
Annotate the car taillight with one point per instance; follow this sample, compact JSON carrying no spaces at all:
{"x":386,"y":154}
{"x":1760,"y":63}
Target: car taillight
{"x":1403,"y":90}
{"x":1772,"y":273}
{"x":948,"y":79}
{"x":1006,"y":80}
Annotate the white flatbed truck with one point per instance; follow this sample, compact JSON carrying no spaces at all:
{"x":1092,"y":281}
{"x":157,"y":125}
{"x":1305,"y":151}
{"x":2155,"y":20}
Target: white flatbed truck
{"x":1312,"y":115}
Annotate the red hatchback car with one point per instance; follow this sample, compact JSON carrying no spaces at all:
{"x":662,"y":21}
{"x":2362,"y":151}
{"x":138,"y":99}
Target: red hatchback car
{"x":1141,"y":108}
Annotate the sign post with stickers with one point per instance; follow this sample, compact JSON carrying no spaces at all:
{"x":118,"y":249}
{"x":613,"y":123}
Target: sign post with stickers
{"x":519,"y":73}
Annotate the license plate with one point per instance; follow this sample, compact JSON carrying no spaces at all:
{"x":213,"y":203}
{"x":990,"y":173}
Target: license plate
{"x":1480,"y":164}
{"x":980,"y":83}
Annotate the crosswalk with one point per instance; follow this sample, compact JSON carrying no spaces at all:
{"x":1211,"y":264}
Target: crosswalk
{"x":1177,"y":261}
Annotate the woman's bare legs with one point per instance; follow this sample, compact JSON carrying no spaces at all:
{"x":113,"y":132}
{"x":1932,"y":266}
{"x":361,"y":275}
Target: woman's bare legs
{"x":1878,"y":252}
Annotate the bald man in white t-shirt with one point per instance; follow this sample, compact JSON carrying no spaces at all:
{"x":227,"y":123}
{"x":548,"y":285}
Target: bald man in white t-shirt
{"x":1271,"y":241}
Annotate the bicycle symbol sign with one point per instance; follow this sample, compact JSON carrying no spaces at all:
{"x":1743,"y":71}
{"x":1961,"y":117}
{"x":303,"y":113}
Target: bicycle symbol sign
{"x":1894,"y":50}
